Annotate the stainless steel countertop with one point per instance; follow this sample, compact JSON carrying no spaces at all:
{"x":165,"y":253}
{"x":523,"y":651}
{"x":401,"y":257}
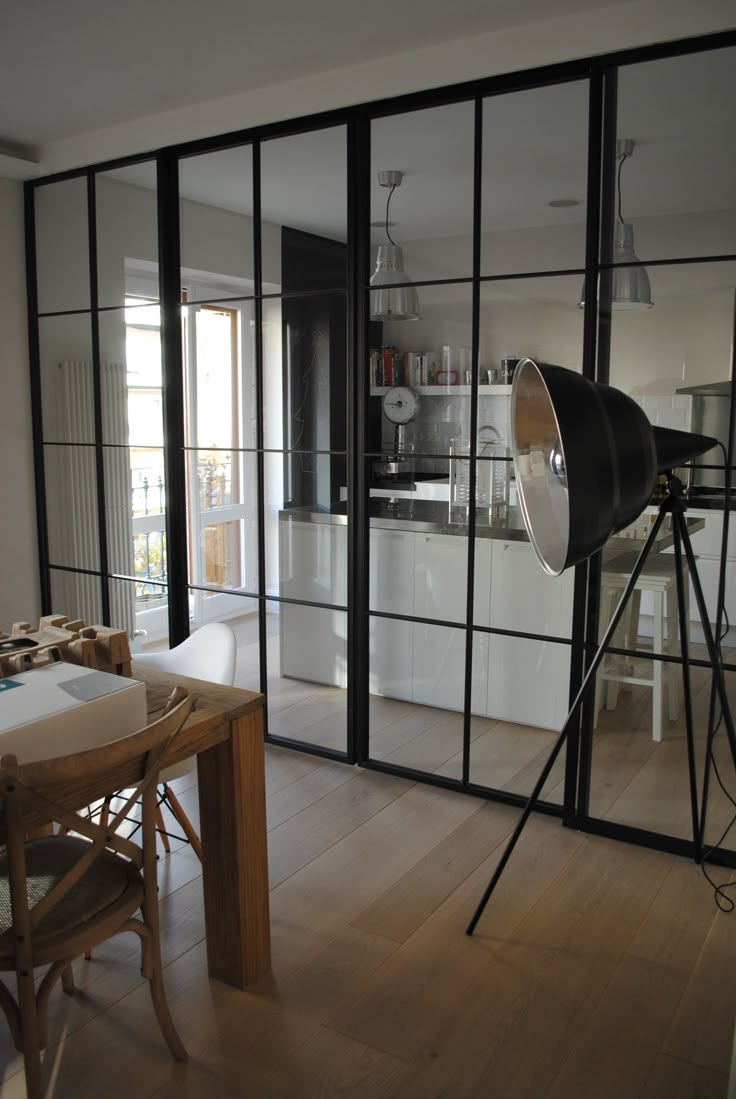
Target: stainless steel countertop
{"x":428,"y":516}
{"x":432,"y":517}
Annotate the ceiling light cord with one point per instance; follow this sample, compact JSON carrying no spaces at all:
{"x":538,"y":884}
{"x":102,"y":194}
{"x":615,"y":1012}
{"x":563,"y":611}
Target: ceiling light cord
{"x":620,"y":166}
{"x":388,"y":203}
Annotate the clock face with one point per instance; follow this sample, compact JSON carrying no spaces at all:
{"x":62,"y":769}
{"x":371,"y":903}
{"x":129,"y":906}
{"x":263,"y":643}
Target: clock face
{"x":400,"y":404}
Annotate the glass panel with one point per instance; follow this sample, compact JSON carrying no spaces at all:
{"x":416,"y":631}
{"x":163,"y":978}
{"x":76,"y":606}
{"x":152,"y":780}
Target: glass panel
{"x":720,"y":806}
{"x":312,"y":557}
{"x":305,"y":526}
{"x":62,"y":246}
{"x":127,"y":233}
{"x":220,"y":375}
{"x":141,"y":607}
{"x":528,"y":681}
{"x":223,"y":520}
{"x":136,"y":506}
{"x":432,"y":357}
{"x":241,"y":615}
{"x":534,"y":318}
{"x":307,"y":674}
{"x":677,"y":190}
{"x":304,"y":211}
{"x":216,"y":225}
{"x":521,"y":596}
{"x":675,"y":359}
{"x":65,"y":352}
{"x":417,"y":676}
{"x":640,"y":765}
{"x":71,"y":506}
{"x":535,"y":165}
{"x":430,"y":216}
{"x":132,"y":395}
{"x":640,"y":768}
{"x":392,"y":559}
{"x":526,"y":699}
{"x":76,"y":595}
{"x":305,"y":378}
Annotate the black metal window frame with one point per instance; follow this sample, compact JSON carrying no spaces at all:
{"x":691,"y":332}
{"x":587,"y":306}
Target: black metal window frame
{"x":601,"y":74}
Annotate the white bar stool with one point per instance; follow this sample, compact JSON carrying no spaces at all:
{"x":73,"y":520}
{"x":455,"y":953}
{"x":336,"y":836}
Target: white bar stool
{"x":657,"y":577}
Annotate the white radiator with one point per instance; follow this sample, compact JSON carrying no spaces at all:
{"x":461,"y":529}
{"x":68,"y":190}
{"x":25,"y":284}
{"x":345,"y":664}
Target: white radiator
{"x":71,"y":495}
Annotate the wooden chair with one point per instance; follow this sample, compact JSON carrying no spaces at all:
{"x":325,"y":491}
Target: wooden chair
{"x":63,"y":894}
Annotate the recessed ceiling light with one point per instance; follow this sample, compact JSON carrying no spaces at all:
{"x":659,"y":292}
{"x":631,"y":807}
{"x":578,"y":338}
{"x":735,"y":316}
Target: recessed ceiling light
{"x":560,"y":203}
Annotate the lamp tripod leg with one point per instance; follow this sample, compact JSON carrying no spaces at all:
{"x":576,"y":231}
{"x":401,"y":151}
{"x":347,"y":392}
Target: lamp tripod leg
{"x":587,"y":681}
{"x":719,"y":683}
{"x":679,"y":528}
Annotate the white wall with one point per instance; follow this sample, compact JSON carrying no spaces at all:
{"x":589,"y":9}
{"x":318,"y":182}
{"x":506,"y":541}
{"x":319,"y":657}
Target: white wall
{"x":523,"y":47}
{"x":19,"y":595}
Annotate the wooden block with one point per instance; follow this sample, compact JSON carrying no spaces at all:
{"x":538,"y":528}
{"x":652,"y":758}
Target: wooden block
{"x":102,"y":647}
{"x":76,"y":625}
{"x":54,"y":620}
{"x":83,"y":651}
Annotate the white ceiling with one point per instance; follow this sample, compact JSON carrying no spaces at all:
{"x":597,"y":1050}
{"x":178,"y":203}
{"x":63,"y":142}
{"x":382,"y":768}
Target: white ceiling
{"x":104,"y":63}
{"x":678,"y":111}
{"x":70,"y":68}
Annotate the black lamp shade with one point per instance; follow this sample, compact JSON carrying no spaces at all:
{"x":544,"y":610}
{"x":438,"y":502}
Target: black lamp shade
{"x":586,"y":460}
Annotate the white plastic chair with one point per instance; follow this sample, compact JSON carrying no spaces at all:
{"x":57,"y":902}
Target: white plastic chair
{"x":208,"y":654}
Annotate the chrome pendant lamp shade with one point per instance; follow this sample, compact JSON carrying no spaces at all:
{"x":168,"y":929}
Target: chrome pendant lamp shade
{"x":391,"y":302}
{"x":630,"y":287}
{"x":586,"y":460}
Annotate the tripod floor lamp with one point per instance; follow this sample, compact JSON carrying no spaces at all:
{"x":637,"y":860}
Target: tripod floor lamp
{"x":586,"y":460}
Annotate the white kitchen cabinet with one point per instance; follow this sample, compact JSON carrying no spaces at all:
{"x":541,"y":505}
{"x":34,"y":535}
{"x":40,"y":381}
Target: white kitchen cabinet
{"x":440,"y":591}
{"x":528,"y":680}
{"x":441,"y":577}
{"x":314,"y":644}
{"x":313,"y":561}
{"x":313,"y":566}
{"x":524,"y":597}
{"x":391,"y":590}
{"x":424,"y":575}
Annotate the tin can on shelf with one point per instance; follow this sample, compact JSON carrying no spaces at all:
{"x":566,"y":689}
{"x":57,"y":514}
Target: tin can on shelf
{"x":508,"y":366}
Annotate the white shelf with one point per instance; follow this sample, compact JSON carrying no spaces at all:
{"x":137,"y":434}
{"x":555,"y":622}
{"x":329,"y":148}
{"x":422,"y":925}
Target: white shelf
{"x":448,"y":390}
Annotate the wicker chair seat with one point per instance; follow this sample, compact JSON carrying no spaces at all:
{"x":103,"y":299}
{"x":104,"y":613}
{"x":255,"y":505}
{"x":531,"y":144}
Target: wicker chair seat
{"x":110,"y":882}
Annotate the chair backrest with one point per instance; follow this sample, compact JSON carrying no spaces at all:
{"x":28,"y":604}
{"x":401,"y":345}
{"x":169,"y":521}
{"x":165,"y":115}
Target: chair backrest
{"x":35,"y":792}
{"x":208,"y":654}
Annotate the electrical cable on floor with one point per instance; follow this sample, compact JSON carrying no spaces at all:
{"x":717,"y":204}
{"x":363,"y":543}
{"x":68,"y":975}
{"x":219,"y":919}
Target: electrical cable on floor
{"x":724,"y":902}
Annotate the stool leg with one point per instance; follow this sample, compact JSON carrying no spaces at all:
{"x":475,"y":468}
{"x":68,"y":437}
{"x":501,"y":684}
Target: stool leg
{"x":620,"y":641}
{"x":673,"y":689}
{"x":600,"y":683}
{"x":657,"y":666}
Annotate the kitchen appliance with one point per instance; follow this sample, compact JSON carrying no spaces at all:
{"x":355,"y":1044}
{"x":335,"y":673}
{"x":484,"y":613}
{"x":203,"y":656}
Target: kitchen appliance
{"x":710,"y":411}
{"x":400,"y":406}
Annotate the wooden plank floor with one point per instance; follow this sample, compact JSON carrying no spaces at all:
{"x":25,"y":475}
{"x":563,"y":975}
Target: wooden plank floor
{"x":598,"y":970}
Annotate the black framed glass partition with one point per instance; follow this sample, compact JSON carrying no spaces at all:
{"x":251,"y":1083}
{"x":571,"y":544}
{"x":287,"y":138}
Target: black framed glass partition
{"x":274,"y":372}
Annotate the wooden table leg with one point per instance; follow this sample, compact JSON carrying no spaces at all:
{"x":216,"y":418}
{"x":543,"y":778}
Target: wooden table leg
{"x":232,"y":807}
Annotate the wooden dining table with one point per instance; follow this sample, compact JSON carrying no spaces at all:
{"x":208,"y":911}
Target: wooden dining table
{"x":225,"y":732}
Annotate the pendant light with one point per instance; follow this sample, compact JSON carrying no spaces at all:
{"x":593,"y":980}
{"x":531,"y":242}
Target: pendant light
{"x":630,"y":287}
{"x":390,"y":302}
